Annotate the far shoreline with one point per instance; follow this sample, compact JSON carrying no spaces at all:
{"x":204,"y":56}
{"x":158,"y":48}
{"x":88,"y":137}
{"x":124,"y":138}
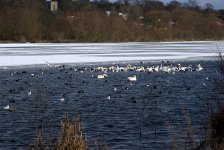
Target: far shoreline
{"x":107,"y":42}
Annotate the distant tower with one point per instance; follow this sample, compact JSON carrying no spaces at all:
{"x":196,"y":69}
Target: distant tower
{"x":54,"y":5}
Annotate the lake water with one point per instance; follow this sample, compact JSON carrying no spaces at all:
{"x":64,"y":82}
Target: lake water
{"x":159,"y":106}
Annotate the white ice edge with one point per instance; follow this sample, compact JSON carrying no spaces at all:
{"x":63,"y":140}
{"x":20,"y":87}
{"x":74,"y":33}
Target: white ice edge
{"x":18,"y":54}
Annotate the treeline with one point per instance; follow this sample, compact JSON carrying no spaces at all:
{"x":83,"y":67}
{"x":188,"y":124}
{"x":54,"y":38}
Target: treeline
{"x":102,"y":21}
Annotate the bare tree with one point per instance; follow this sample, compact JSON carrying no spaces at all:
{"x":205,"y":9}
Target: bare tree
{"x":208,"y":6}
{"x":193,"y":3}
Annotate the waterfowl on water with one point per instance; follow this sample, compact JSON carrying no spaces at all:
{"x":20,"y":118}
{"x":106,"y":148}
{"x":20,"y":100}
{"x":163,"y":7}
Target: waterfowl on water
{"x":9,"y":108}
{"x":102,"y":76}
{"x":199,"y":67}
{"x":62,"y":99}
{"x":165,"y":66}
{"x":156,"y":69}
{"x":150,"y":69}
{"x":29,"y":93}
{"x":6,"y":107}
{"x":32,"y":74}
{"x":81,"y":91}
{"x":132,"y":78}
{"x":12,"y":101}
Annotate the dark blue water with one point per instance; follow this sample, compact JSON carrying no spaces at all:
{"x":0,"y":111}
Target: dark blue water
{"x":156,"y":110}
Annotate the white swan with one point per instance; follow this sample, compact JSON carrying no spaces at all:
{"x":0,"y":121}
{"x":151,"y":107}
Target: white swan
{"x":29,"y":93}
{"x":149,"y":69}
{"x":140,"y":69}
{"x":183,"y":69}
{"x":156,"y":69}
{"x":165,"y":69}
{"x":62,"y":99}
{"x":6,"y":107}
{"x":32,"y":74}
{"x":9,"y":108}
{"x":173,"y":69}
{"x":132,"y":78}
{"x":102,"y":76}
{"x":108,"y":97}
{"x":199,"y":67}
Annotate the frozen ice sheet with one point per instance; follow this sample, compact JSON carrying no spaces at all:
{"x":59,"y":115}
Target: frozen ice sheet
{"x":17,"y":54}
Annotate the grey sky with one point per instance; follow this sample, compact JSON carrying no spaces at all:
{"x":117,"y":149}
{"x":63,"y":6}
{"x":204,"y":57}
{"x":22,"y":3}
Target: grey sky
{"x":218,"y":4}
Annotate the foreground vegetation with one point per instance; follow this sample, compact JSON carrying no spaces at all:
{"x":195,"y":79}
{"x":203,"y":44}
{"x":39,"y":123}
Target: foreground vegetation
{"x":84,"y":21}
{"x":71,"y":138}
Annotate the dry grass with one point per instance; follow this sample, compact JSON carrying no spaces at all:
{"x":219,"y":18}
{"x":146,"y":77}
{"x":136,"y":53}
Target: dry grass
{"x":71,"y":138}
{"x":190,"y":143}
{"x":217,"y":134}
{"x":72,"y":135}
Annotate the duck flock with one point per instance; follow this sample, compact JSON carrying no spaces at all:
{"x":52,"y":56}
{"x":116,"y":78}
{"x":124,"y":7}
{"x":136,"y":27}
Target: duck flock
{"x":100,"y":72}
